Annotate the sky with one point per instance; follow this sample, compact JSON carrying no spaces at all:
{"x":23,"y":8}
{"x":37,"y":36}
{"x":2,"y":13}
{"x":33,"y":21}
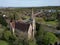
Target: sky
{"x":28,"y":3}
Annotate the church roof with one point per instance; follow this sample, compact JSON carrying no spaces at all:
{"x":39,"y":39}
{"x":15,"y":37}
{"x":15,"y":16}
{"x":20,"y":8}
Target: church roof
{"x":22,"y":26}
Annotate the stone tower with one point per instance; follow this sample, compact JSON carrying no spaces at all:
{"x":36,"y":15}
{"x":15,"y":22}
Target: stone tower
{"x":31,"y":31}
{"x":33,"y":23}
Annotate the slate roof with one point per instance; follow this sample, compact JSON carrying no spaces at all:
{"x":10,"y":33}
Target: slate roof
{"x":22,"y":26}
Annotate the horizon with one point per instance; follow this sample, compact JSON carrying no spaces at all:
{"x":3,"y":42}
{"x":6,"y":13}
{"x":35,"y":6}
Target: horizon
{"x":30,"y":7}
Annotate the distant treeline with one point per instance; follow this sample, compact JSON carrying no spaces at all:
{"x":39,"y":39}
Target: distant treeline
{"x":43,"y":7}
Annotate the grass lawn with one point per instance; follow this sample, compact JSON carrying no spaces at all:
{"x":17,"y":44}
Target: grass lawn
{"x":41,"y":20}
{"x":3,"y":42}
{"x":1,"y":30}
{"x":54,"y":23}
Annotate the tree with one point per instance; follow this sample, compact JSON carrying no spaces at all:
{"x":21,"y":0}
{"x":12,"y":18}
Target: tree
{"x":3,"y":21}
{"x":58,"y":18}
{"x":7,"y":35}
{"x":45,"y":38}
{"x":32,"y":42}
{"x":49,"y":38}
{"x":39,"y":34}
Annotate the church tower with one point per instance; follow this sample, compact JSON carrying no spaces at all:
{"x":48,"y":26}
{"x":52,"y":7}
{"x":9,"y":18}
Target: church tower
{"x":32,"y":27}
{"x":33,"y":23}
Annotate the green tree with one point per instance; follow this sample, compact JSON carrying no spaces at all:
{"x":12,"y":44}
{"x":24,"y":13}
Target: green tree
{"x":7,"y":35}
{"x":32,"y":42}
{"x":49,"y":38}
{"x":58,"y":18}
{"x":3,"y":21}
{"x":39,"y":34}
{"x":45,"y":38}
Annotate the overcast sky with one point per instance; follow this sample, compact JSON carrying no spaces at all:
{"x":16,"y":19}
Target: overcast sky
{"x":28,"y":3}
